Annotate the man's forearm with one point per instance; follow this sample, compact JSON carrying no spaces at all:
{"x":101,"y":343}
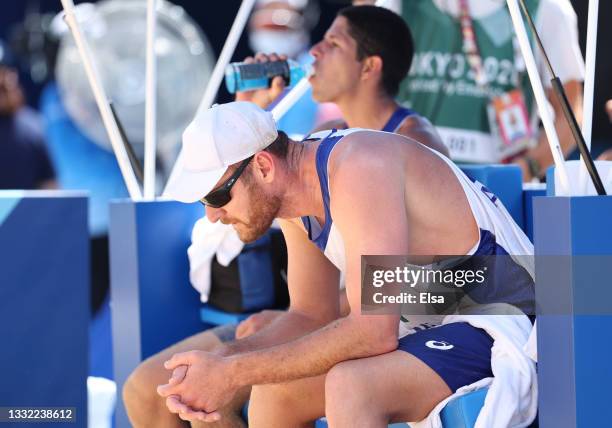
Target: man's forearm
{"x":313,"y":354}
{"x":284,"y":328}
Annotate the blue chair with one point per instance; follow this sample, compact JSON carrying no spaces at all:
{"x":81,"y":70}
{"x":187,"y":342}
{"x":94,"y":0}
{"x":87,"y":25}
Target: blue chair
{"x":462,"y":412}
{"x":505,"y":181}
{"x":322,"y":423}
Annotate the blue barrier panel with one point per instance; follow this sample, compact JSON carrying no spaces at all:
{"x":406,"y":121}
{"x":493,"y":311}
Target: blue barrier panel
{"x":152,"y":303}
{"x":505,"y":181}
{"x":530,"y":191}
{"x":573,"y":245}
{"x":44,"y":301}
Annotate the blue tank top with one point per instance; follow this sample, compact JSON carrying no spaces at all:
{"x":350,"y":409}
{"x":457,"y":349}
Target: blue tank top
{"x":510,"y":279}
{"x":397,"y":118}
{"x":316,"y":233}
{"x":322,"y":157}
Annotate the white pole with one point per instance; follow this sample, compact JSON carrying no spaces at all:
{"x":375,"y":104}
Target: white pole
{"x":540,"y":96}
{"x":219,"y":71}
{"x":226,"y":53}
{"x":589,"y":86}
{"x":150,"y":104}
{"x":102,"y":102}
{"x":290,"y":99}
{"x":589,"y":81}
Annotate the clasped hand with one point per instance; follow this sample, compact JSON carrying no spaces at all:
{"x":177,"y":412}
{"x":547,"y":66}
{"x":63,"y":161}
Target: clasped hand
{"x":200,"y":385}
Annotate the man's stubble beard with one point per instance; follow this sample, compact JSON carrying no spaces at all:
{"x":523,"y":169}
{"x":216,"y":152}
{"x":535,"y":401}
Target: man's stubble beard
{"x":264,"y":209}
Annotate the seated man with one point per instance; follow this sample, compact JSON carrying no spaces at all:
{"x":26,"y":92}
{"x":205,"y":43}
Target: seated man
{"x":359,"y":65}
{"x":347,"y":194}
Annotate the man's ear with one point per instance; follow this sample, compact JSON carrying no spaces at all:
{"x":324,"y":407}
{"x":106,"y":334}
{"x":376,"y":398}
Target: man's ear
{"x":264,"y":166}
{"x":372,"y":67}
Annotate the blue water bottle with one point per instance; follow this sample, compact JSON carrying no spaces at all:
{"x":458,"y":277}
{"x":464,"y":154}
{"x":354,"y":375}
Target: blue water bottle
{"x":241,"y":77}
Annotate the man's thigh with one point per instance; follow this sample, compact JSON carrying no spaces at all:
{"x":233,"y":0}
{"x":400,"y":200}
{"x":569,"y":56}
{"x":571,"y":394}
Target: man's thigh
{"x":428,"y":366}
{"x":397,"y":387}
{"x":458,"y":352}
{"x":205,"y":341}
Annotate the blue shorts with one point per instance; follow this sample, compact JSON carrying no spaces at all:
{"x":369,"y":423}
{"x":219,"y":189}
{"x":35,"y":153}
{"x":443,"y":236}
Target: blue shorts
{"x":458,"y":352}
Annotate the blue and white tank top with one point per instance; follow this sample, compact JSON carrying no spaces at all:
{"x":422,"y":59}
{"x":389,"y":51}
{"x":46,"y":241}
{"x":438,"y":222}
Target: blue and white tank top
{"x":499,"y":235}
{"x":397,"y":118}
{"x":320,"y":234}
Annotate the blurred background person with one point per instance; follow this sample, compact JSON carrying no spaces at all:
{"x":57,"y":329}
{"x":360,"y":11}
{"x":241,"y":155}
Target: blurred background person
{"x":24,"y":162}
{"x":469,"y":78}
{"x":283,"y":27}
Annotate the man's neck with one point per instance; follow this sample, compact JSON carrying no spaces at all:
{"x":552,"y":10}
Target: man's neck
{"x":367,"y":110}
{"x":303,"y":192}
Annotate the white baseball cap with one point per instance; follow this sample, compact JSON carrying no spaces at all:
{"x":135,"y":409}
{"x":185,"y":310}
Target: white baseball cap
{"x":217,"y":138}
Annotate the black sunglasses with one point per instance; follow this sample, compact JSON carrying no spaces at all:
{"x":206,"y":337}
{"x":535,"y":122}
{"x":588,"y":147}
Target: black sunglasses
{"x":221,"y":195}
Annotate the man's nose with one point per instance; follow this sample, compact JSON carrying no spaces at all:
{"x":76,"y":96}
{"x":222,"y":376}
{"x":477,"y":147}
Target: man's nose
{"x":315,"y":51}
{"x":213,"y":214}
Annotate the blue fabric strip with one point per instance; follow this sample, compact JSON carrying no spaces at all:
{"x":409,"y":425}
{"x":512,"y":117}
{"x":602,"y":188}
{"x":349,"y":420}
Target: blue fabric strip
{"x":506,"y":280}
{"x":322,"y":158}
{"x":397,"y":118}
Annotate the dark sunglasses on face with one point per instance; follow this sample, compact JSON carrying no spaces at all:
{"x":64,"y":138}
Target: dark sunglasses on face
{"x":221,"y":195}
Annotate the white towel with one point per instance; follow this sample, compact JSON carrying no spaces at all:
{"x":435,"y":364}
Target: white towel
{"x":207,"y":240}
{"x":101,"y":399}
{"x":531,"y":347}
{"x":512,"y":399}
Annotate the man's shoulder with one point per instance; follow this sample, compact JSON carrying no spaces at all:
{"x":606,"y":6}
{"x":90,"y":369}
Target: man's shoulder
{"x":421,"y":130}
{"x":360,"y":141}
{"x":414,"y":122}
{"x":365,"y":151}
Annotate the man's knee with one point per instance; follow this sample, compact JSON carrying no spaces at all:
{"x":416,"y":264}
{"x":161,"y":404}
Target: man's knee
{"x":141,"y":386}
{"x":344,"y":380}
{"x":294,"y":404}
{"x":277,"y":396}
